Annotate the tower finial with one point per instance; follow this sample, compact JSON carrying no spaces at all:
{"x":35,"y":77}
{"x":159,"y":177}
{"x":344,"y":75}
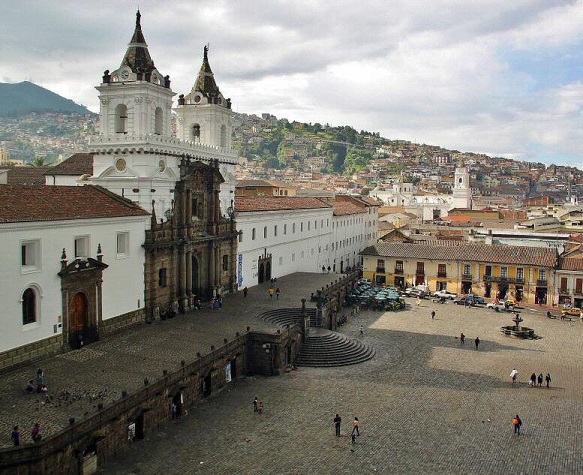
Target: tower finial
{"x":138,"y":16}
{"x":206,"y":50}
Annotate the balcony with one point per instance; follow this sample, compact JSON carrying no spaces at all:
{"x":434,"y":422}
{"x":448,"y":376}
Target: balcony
{"x":442,"y":274}
{"x":541,"y":283}
{"x":380,"y":270}
{"x":504,"y":280}
{"x":398,"y":270}
{"x":467,"y":277}
{"x":566,"y":291}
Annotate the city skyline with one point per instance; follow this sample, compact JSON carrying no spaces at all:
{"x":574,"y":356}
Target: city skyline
{"x":490,"y":77}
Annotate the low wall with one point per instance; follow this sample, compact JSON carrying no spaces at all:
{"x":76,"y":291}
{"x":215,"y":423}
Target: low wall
{"x":33,"y":351}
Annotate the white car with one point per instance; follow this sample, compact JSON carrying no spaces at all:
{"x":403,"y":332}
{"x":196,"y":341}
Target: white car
{"x":445,"y":294}
{"x":500,"y":306}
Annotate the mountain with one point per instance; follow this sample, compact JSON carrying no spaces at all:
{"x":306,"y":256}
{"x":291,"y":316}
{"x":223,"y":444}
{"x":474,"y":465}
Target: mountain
{"x":25,"y":97}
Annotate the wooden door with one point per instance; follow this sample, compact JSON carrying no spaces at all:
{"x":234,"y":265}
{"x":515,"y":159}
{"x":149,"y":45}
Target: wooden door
{"x":78,"y":320}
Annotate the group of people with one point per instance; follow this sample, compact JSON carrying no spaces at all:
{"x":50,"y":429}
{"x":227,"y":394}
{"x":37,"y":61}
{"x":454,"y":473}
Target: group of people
{"x":274,"y":291}
{"x":355,"y":427}
{"x":477,"y":341}
{"x":534,"y":380}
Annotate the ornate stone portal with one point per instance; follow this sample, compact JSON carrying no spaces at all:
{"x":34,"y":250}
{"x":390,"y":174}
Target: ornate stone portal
{"x":191,"y":252}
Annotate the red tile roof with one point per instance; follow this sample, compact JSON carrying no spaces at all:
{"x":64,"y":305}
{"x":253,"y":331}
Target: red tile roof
{"x":276,"y":203}
{"x":571,"y":263}
{"x":29,"y":203}
{"x":343,"y":208}
{"x":495,"y":254}
{"x":27,"y":175}
{"x":77,"y":165}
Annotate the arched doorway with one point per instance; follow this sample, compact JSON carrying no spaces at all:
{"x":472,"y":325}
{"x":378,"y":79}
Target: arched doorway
{"x":268,"y":271}
{"x":261,"y":274}
{"x":78,"y":321}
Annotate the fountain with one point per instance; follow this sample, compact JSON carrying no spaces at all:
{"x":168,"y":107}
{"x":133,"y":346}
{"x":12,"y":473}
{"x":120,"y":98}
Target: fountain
{"x":517,"y":330}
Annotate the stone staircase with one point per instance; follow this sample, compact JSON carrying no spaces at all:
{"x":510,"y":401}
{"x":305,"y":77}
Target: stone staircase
{"x":323,"y":348}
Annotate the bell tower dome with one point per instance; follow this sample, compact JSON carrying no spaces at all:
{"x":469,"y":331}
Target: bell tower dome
{"x":462,"y":194}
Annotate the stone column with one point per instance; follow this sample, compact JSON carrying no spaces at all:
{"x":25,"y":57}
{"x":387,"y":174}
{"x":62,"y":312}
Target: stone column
{"x":212,"y":267}
{"x":189,"y":278}
{"x":183,"y":301}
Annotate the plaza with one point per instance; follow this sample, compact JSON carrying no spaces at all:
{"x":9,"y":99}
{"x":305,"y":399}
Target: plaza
{"x":426,"y":404}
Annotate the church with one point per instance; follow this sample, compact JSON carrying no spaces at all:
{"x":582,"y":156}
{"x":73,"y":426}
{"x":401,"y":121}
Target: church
{"x":139,"y":227}
{"x":187,"y":181}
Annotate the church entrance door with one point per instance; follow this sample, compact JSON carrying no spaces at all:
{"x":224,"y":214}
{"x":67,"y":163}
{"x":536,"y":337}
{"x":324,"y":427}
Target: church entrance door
{"x":79,"y":328}
{"x":261,"y":274}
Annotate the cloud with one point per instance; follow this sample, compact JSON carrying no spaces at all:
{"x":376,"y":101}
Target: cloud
{"x":464,"y":75}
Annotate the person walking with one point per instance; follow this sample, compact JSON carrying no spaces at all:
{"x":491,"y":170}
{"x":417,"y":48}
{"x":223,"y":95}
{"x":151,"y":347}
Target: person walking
{"x":337,"y":422}
{"x":260,"y":407}
{"x":477,"y":342}
{"x":40,"y":380}
{"x":245,"y":291}
{"x":514,"y":375}
{"x":532,"y":380}
{"x":255,"y":404}
{"x":540,"y":380}
{"x":361,"y":331}
{"x":462,"y":339}
{"x":36,"y":433}
{"x":355,"y":427}
{"x":433,"y":315}
{"x":277,"y":292}
{"x":548,"y":380}
{"x":271,"y":291}
{"x":15,"y":436}
{"x":517,"y":424}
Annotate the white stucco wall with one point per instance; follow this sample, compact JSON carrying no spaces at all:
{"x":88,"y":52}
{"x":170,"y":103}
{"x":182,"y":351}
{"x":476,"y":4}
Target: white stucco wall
{"x":123,"y":280}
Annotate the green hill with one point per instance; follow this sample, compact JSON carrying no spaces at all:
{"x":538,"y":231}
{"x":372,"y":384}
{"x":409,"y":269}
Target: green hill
{"x":25,"y":97}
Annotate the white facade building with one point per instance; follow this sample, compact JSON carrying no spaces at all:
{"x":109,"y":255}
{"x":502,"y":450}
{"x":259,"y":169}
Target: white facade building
{"x":282,"y":235}
{"x":92,"y":238}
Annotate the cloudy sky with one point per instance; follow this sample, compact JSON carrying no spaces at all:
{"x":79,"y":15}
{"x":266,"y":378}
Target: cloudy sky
{"x":494,"y":76}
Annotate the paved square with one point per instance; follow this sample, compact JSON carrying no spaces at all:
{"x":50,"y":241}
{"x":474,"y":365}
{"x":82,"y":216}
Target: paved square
{"x":426,"y":404}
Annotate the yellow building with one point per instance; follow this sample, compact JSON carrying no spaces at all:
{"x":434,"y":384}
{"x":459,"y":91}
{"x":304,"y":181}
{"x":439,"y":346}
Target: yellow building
{"x":491,"y":271}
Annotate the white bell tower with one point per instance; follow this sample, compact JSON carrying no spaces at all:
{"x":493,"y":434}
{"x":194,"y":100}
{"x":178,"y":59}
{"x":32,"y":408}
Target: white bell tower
{"x":204,"y":117}
{"x":462,"y":194}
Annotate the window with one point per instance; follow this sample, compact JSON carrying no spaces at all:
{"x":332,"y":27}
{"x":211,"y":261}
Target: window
{"x":162,"y":277}
{"x":467,"y":269}
{"x":225,"y":262}
{"x":542,"y":275}
{"x":441,"y":270}
{"x":29,"y":306}
{"x":301,"y":227}
{"x":81,"y":247}
{"x":315,"y":224}
{"x":158,"y":121}
{"x":504,"y":272}
{"x":488,"y":270}
{"x":293,"y":228}
{"x":293,"y":256}
{"x":240,"y":236}
{"x":302,"y":254}
{"x":253,"y":234}
{"x":275,"y":230}
{"x":309,"y":225}
{"x":121,"y":114}
{"x":520,"y":273}
{"x":223,"y":136}
{"x":579,"y":286}
{"x":563,"y":287}
{"x":195,"y":133}
{"x":399,"y":267}
{"x":285,"y":229}
{"x":123,"y":244}
{"x":281,"y":261}
{"x":30,"y":256}
{"x":265,"y":232}
{"x":420,"y":268}
{"x":381,"y":266}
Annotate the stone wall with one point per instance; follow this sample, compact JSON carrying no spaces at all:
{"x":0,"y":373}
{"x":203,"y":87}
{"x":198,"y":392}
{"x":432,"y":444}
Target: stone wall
{"x":121,"y":322}
{"x":85,"y":445}
{"x":31,"y":352}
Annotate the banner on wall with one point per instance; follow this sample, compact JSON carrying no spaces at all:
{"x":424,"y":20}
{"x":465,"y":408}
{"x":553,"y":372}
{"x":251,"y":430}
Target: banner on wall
{"x":240,"y":271}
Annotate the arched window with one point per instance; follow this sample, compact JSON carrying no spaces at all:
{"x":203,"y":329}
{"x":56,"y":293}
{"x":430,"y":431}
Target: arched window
{"x":28,"y":306}
{"x":223,"y":136}
{"x":196,"y":133}
{"x":121,"y":114}
{"x":158,"y":121}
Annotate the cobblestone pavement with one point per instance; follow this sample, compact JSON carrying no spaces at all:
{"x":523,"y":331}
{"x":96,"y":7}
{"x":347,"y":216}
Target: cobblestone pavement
{"x":426,"y":403}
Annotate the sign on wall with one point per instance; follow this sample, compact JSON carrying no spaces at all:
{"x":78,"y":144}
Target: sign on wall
{"x":240,"y":271}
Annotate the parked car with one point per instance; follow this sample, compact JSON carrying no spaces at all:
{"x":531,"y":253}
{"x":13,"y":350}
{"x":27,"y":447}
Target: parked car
{"x":500,"y":306}
{"x":413,"y":292}
{"x":445,"y":294}
{"x":472,"y":300}
{"x":571,"y":312}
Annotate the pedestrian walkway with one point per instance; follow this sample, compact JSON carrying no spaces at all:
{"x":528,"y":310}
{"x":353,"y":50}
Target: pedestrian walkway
{"x":97,"y":374}
{"x":426,"y":405}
